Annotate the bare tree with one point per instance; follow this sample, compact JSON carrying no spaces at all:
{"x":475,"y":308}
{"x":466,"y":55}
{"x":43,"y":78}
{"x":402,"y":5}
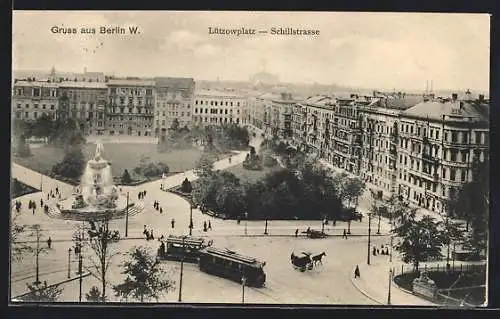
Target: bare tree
{"x":18,"y":248}
{"x":99,"y":239}
{"x":42,"y":292}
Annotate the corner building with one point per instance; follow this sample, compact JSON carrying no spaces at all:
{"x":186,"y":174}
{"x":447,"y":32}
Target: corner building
{"x":439,"y":142}
{"x":212,"y":107}
{"x":30,"y":99}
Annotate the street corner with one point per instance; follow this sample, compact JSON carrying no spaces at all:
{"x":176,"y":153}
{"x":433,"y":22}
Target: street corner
{"x":362,"y":285}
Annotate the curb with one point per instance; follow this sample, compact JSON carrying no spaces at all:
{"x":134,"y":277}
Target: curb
{"x":363,"y":292}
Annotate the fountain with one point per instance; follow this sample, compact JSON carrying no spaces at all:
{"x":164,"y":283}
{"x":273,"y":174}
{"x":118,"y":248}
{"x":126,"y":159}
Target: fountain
{"x":96,"y":195}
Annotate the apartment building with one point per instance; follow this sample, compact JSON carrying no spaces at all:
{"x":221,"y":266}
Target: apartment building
{"x":379,"y":128}
{"x":130,"y":107}
{"x":214,"y":107}
{"x":31,"y":99}
{"x":439,"y":142}
{"x":174,"y":100}
{"x":86,"y":103}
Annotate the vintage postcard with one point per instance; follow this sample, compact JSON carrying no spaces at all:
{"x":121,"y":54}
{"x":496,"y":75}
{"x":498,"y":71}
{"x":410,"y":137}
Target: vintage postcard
{"x":250,"y":158}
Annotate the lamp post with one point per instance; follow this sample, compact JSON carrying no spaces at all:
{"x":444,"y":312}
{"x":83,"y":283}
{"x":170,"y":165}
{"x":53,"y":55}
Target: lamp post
{"x":190,"y":219}
{"x":392,"y":237}
{"x":378,"y":227}
{"x":369,"y":234}
{"x":41,"y":182}
{"x":246,"y":219}
{"x":243,"y":282}
{"x":126,"y":218}
{"x":182,"y":270}
{"x":265,"y":229}
{"x":349,"y":227}
{"x":448,"y":248}
{"x":390,"y":284}
{"x":80,"y":266}
{"x":69,"y":262}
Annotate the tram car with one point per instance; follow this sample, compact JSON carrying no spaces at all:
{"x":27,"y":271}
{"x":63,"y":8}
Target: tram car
{"x":228,"y":264}
{"x":181,"y":248}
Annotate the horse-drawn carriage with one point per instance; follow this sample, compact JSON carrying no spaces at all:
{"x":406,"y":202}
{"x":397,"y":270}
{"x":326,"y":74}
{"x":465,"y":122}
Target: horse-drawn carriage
{"x":311,"y":233}
{"x":306,"y":261}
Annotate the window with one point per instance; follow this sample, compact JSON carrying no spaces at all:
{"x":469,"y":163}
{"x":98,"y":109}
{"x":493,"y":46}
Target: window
{"x":453,"y":173}
{"x":35,"y":105}
{"x":437,"y":134}
{"x":35,"y":115}
{"x":196,"y":102}
{"x":19,"y":106}
{"x":26,"y":115}
{"x":453,"y":156}
{"x":454,"y":137}
{"x":43,"y":106}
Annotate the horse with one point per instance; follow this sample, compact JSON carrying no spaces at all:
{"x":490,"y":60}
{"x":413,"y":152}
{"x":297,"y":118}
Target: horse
{"x":317,"y":259}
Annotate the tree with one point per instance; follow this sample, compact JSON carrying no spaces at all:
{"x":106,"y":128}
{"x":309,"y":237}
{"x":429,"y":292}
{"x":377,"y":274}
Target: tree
{"x":351,"y":189}
{"x":72,"y":165}
{"x":186,"y":186}
{"x":23,"y":148}
{"x":42,"y":292}
{"x":145,"y":279}
{"x":99,"y":244}
{"x":94,"y":295}
{"x":230,"y":200}
{"x":419,"y":240}
{"x":204,"y":166}
{"x":175,"y":125}
{"x":126,"y":179}
{"x":18,"y":249}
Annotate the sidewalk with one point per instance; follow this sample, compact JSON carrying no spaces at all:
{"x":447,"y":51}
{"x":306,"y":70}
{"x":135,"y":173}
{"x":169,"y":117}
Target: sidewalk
{"x":374,"y":281}
{"x":18,"y":287}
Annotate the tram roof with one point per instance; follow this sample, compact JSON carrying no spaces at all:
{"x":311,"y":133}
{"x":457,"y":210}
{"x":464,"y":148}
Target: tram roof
{"x":187,"y":240}
{"x":231,"y":255}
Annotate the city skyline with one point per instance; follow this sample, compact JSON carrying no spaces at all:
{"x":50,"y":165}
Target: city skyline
{"x":368,"y":50}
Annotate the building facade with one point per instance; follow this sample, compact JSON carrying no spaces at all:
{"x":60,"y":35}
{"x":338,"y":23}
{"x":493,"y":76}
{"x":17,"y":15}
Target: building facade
{"x":31,"y":99}
{"x":130,"y":108}
{"x":439,"y":142}
{"x":174,"y":101}
{"x":84,"y":102}
{"x":212,"y":107}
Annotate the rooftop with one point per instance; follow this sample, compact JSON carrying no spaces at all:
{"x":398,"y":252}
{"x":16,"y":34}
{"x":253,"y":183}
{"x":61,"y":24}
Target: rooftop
{"x":209,"y":92}
{"x":171,"y":82}
{"x":320,"y":101}
{"x":436,"y":110}
{"x":44,"y":84}
{"x":131,"y":82}
{"x":82,"y":84}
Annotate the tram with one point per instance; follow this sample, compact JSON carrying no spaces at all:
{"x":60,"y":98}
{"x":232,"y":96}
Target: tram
{"x":182,"y":247}
{"x":228,"y":264}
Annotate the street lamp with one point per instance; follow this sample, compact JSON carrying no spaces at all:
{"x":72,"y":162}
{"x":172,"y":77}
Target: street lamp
{"x":80,"y":266}
{"x":126,"y":218}
{"x":265,"y":229}
{"x":246,"y":219}
{"x":378,"y":227}
{"x":243,"y":282}
{"x":69,"y":262}
{"x":369,"y":236}
{"x":392,"y":235}
{"x":390,"y":284}
{"x":190,"y":219}
{"x":349,"y":227}
{"x":182,"y":269}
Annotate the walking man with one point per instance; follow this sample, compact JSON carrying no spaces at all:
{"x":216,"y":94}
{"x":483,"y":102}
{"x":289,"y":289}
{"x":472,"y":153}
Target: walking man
{"x":344,"y":235}
{"x":173,"y":223}
{"x":209,"y":225}
{"x":296,"y":232}
{"x":161,"y":210}
{"x":356,"y":272}
{"x":49,"y":242}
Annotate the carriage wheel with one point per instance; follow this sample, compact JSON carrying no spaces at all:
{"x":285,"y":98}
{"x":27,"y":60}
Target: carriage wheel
{"x":302,"y":269}
{"x":310,"y":266}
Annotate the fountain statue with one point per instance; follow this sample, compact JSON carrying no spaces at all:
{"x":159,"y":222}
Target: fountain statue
{"x":96,"y":193}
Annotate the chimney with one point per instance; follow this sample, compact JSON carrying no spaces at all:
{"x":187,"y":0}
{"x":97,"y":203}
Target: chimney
{"x":454,"y":97}
{"x":481,"y":97}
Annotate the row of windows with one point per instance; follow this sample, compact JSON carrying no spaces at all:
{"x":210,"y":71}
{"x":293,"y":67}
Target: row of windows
{"x":172,"y":113}
{"x":214,"y":111}
{"x":44,"y":106}
{"x":172,"y":105}
{"x":216,"y":103}
{"x":19,"y":115}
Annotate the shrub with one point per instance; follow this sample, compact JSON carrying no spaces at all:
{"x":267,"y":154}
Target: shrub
{"x":269,"y":161}
{"x":72,"y":165}
{"x":126,"y":179}
{"x":186,"y":186}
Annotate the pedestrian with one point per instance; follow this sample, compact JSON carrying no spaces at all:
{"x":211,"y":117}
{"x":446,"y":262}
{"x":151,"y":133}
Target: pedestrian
{"x":49,"y":242}
{"x":209,"y":225}
{"x":145,"y":231}
{"x":57,"y":190}
{"x":374,"y":251}
{"x":356,"y":272}
{"x":308,"y":230}
{"x":296,"y":232}
{"x":144,"y":193}
{"x":229,"y":159}
{"x":238,"y":221}
{"x":139,"y":196}
{"x":204,"y":226}
{"x":48,"y":196}
{"x":161,"y":210}
{"x":41,"y":202}
{"x":334,"y":222}
{"x":173,"y":223}
{"x":151,"y":233}
{"x":387,"y":251}
{"x":344,"y":235}
{"x":378,"y":251}
{"x":46,"y":208}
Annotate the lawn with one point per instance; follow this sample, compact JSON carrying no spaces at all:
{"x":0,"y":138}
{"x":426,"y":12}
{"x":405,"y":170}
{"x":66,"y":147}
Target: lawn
{"x":251,"y":176}
{"x":121,"y":156}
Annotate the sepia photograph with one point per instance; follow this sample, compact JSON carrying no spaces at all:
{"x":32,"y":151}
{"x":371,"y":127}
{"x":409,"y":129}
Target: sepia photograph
{"x":232,"y":157}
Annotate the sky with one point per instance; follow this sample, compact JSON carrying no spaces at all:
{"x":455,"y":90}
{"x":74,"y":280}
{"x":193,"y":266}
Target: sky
{"x":371,"y":50}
